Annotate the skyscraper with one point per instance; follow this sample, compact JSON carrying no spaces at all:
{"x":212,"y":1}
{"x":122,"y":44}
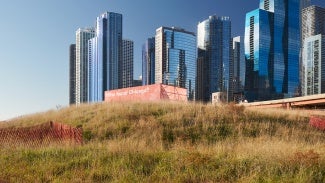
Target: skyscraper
{"x":259,"y":55}
{"x":286,"y":47}
{"x":105,"y":56}
{"x":303,"y":4}
{"x":313,"y":77}
{"x":175,"y":58}
{"x":214,"y":66}
{"x":313,"y":51}
{"x":127,"y":65}
{"x":148,"y":62}
{"x":72,"y":74}
{"x":285,"y":33}
{"x":238,"y":68}
{"x":82,"y":37}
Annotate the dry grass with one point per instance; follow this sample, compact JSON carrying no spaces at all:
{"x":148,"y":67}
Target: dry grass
{"x":173,"y":142}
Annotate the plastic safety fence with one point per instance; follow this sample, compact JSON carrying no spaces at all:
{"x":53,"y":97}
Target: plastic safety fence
{"x":46,"y":134}
{"x":317,"y":122}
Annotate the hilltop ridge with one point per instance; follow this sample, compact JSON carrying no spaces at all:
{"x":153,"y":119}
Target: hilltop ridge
{"x":172,"y":142}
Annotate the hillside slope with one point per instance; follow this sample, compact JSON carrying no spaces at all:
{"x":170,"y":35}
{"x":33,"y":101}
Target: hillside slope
{"x":172,"y":142}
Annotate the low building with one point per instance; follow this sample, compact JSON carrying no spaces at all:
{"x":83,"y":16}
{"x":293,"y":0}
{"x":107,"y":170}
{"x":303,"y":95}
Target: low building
{"x":154,"y":92}
{"x":219,"y":97}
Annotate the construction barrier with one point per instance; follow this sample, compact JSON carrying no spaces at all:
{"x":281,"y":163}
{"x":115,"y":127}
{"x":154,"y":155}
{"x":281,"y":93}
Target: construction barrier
{"x":317,"y":122}
{"x":41,"y":135}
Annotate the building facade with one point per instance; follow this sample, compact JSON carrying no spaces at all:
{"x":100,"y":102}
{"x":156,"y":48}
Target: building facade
{"x":214,"y":65}
{"x":82,"y":37}
{"x":127,"y":65}
{"x":148,"y":62}
{"x":175,"y":58}
{"x":72,"y":74}
{"x":105,"y":58}
{"x":313,"y":77}
{"x":259,"y":56}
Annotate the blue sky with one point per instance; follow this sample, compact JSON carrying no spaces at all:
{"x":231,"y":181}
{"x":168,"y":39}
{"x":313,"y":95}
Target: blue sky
{"x":36,"y":34}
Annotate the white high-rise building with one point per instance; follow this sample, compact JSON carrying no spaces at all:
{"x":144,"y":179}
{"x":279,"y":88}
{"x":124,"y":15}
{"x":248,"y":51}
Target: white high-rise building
{"x":313,"y":73}
{"x":82,"y":37}
{"x":312,"y":70}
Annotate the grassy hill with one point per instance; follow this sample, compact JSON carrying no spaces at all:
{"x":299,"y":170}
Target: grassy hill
{"x":172,"y":142}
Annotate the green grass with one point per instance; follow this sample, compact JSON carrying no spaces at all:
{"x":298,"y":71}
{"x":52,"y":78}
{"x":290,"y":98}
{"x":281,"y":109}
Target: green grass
{"x":172,"y":142}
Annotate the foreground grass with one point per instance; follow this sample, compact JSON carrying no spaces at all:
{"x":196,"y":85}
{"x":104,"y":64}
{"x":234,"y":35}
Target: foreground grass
{"x":172,"y":142}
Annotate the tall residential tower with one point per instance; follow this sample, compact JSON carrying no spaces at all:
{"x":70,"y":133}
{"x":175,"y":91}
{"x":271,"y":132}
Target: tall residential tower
{"x":82,"y":37}
{"x":313,"y":51}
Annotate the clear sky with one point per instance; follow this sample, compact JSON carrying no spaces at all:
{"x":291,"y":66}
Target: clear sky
{"x":36,"y":34}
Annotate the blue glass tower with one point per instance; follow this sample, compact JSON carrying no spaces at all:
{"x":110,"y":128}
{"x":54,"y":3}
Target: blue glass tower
{"x":215,"y":71}
{"x":148,"y":62}
{"x":286,"y":47}
{"x":175,"y":58}
{"x":105,"y":56}
{"x":259,"y":55}
{"x":283,"y":64}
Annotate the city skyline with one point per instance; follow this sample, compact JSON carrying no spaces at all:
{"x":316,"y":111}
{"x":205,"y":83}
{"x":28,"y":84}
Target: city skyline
{"x":35,"y":79}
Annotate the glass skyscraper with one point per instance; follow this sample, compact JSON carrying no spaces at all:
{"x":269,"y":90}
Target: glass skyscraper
{"x":72,"y":74}
{"x":148,"y":62}
{"x":82,"y":37}
{"x":214,"y":66}
{"x":105,"y":56}
{"x":175,"y":58}
{"x":285,"y":34}
{"x":286,"y":47}
{"x":239,"y":68}
{"x":259,"y":55}
{"x":127,"y":65}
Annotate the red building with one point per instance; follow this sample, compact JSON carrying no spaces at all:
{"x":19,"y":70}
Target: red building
{"x":155,"y":92}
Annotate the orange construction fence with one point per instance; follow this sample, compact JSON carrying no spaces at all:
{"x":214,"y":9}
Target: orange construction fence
{"x":41,"y":135}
